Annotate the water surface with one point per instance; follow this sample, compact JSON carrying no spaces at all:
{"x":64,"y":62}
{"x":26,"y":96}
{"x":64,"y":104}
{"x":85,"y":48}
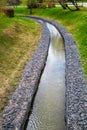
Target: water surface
{"x":49,"y":104}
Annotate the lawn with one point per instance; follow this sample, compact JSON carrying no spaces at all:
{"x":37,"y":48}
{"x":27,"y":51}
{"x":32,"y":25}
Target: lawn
{"x":18,"y":39}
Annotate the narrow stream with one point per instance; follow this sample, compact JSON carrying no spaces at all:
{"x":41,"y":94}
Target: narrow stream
{"x":49,"y":103}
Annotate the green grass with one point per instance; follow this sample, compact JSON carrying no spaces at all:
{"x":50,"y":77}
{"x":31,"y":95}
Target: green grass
{"x":75,"y":22}
{"x":23,"y":10}
{"x":18,"y":40}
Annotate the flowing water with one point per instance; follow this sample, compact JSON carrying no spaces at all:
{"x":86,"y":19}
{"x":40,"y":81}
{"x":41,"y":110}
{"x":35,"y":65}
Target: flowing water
{"x":49,"y":103}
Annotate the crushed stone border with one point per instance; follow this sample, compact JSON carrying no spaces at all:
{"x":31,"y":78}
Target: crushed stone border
{"x":18,"y":107}
{"x":76,"y":88}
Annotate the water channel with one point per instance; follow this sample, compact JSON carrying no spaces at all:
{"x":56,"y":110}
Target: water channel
{"x":49,"y":104}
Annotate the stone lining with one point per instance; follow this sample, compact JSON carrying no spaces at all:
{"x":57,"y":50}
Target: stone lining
{"x":76,"y":89}
{"x":16,"y":112}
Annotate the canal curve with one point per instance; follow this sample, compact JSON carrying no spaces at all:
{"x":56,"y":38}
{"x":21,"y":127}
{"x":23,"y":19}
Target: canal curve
{"x":49,"y":104}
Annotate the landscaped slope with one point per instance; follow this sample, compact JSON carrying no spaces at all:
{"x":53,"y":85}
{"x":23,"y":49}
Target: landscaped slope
{"x":18,"y":39}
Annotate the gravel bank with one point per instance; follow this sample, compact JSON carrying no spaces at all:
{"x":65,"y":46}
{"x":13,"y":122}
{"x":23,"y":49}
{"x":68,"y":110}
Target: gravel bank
{"x":76,"y":88}
{"x":16,"y":112}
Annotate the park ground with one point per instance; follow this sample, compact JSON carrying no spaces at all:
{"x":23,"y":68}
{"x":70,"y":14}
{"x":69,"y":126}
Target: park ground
{"x":19,"y":38}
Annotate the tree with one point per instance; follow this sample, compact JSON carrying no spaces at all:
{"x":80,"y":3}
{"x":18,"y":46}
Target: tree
{"x":31,"y":4}
{"x":65,"y":5}
{"x":14,"y":2}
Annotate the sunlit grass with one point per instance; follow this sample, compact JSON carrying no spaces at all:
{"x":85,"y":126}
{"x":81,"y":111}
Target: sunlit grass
{"x":75,"y":22}
{"x":18,"y":39}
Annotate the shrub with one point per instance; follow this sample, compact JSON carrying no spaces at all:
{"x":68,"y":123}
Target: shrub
{"x":9,"y":12}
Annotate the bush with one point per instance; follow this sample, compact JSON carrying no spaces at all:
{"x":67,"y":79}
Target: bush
{"x":9,"y":12}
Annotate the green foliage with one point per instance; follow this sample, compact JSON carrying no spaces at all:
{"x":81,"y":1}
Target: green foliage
{"x":24,"y":2}
{"x":14,"y":2}
{"x":32,"y":3}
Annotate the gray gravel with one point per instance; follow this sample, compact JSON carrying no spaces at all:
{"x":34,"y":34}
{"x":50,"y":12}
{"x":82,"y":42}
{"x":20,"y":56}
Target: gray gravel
{"x":19,"y":105}
{"x":16,"y":111}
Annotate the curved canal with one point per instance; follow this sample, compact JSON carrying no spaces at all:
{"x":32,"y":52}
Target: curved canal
{"x":49,"y":104}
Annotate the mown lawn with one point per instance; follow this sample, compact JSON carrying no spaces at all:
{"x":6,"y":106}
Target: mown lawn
{"x":18,"y":39}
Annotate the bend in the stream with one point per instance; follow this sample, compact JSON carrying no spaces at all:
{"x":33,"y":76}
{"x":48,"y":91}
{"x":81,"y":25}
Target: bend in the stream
{"x":49,"y":104}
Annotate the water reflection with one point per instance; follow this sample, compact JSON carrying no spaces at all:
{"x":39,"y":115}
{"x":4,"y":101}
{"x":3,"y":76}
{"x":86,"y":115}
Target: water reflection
{"x":48,"y":108}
